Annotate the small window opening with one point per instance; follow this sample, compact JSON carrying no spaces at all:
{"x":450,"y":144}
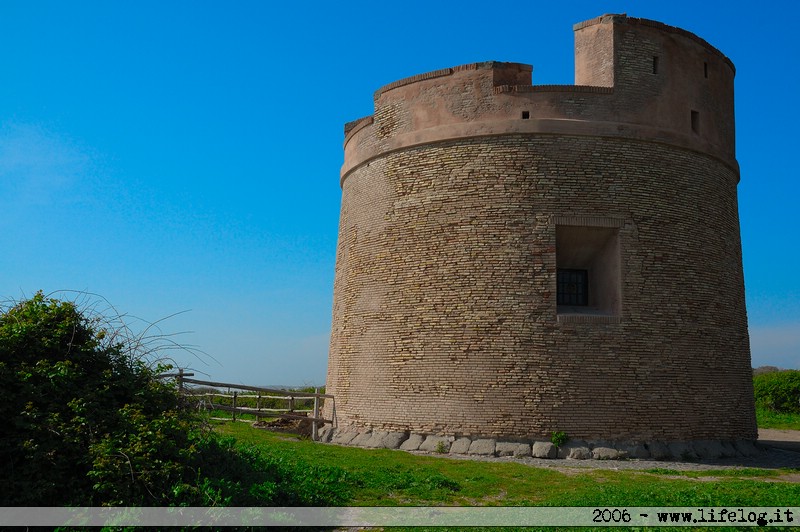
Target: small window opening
{"x":696,"y":121}
{"x":655,"y":64}
{"x":573,"y":287}
{"x":705,"y":69}
{"x":526,"y":115}
{"x":588,"y":270}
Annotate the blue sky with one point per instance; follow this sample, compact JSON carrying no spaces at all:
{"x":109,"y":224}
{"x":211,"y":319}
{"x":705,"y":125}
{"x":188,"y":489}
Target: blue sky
{"x":185,"y":155}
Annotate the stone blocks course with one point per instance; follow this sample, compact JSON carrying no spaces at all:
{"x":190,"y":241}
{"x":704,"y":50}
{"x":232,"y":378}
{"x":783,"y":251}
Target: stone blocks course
{"x":460,"y":446}
{"x":512,"y":449}
{"x":436,"y":444}
{"x":412,"y":443}
{"x":483,"y":447}
{"x":544,"y":449}
{"x":698,"y":450}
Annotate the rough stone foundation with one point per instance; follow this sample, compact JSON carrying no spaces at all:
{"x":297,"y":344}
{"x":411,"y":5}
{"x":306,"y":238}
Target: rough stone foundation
{"x":574,"y":449}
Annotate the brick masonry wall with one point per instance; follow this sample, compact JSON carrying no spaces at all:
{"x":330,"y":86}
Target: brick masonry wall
{"x":445,"y":317}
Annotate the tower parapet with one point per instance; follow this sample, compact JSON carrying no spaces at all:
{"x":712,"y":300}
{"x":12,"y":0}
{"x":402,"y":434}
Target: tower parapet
{"x":634,"y":78}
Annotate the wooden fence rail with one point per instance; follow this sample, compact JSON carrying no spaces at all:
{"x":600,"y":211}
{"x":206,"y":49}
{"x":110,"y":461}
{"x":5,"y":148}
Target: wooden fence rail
{"x":261,"y":395}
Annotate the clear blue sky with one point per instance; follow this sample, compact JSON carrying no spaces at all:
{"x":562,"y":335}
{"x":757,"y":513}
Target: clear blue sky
{"x":185,"y":155}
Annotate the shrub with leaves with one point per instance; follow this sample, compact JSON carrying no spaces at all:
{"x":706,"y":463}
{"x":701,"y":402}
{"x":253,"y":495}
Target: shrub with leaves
{"x":63,"y":390}
{"x":84,"y":421}
{"x":778,"y":391}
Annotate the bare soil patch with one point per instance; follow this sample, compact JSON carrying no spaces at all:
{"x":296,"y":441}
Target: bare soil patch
{"x":301,"y":427}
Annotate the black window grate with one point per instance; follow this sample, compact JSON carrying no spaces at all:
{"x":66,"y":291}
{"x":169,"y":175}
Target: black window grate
{"x":573,"y":287}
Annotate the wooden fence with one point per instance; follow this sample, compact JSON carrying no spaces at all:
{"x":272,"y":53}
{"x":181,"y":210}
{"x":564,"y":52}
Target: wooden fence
{"x":261,"y":401}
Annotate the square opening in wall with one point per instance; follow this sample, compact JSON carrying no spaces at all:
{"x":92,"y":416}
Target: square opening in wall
{"x":588,"y":270}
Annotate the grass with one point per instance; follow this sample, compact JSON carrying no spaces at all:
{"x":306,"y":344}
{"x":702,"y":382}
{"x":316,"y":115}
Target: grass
{"x":739,"y":473}
{"x":769,"y":419}
{"x":379,"y":477}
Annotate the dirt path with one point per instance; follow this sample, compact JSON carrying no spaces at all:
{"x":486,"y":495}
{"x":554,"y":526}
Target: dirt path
{"x":782,"y":439}
{"x":771,"y":458}
{"x":781,"y":451}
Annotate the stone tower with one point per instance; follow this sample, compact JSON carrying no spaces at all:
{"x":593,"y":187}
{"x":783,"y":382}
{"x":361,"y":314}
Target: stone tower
{"x":519,"y":259}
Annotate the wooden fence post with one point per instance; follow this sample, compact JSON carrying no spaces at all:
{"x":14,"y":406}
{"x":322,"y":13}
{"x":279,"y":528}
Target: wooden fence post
{"x":235,"y":394}
{"x":180,"y":381}
{"x":316,"y":415}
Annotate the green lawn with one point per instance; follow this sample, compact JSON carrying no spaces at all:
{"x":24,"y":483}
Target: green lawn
{"x":769,"y":419}
{"x":383,"y":477}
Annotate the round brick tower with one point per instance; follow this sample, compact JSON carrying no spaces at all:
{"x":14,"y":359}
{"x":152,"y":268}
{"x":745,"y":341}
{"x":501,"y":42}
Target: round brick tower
{"x":515,"y":259}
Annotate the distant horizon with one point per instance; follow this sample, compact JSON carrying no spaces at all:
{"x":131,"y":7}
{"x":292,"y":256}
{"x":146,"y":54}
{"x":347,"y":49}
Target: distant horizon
{"x":86,"y":300}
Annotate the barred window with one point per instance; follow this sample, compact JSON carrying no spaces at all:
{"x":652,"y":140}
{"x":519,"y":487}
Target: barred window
{"x":588,"y":267}
{"x":573,"y":287}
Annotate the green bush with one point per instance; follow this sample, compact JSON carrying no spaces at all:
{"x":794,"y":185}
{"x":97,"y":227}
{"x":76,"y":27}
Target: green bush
{"x":87,"y":423}
{"x":778,"y":391}
{"x":63,"y":391}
